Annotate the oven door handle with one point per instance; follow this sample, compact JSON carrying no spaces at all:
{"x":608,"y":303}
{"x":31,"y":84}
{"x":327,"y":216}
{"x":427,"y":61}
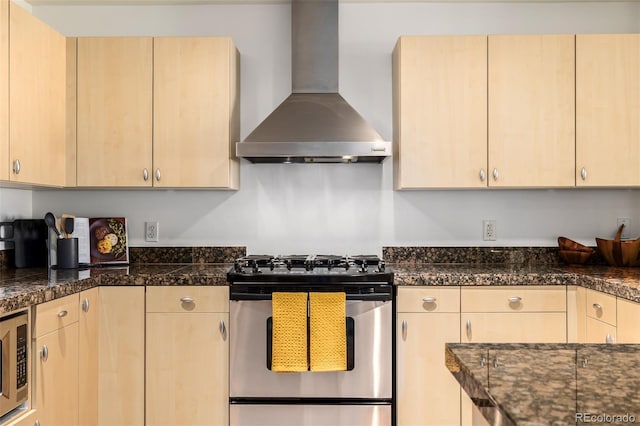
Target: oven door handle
{"x":374,"y":297}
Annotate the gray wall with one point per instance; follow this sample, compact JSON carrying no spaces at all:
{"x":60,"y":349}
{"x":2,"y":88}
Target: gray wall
{"x":344,"y":208}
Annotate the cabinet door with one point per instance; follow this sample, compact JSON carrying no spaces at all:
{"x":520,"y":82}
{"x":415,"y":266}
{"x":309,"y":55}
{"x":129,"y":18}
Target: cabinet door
{"x":114,"y":119}
{"x":56,"y":377}
{"x":607,"y":110}
{"x":4,"y":90}
{"x":194,"y":95}
{"x":440,"y":112}
{"x":121,"y":357}
{"x":428,"y":394}
{"x":628,"y":329}
{"x":531,"y":110}
{"x":37,"y":101}
{"x":525,"y":327}
{"x":88,"y":353}
{"x":187,"y":369}
{"x":599,"y":332}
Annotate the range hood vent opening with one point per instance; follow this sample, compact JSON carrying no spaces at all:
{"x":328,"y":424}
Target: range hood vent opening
{"x":314,"y":124}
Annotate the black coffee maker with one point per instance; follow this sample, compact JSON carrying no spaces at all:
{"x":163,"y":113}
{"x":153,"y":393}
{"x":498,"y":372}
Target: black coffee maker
{"x":29,"y":240}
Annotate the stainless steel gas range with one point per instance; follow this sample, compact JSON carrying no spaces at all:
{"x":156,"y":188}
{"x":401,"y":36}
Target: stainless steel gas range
{"x":362,"y":392}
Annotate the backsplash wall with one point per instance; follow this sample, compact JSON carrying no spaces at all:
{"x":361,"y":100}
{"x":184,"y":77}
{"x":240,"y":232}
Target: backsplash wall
{"x":344,"y":208}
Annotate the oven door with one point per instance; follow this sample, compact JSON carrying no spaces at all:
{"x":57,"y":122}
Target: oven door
{"x":309,"y":415}
{"x":369,"y":375}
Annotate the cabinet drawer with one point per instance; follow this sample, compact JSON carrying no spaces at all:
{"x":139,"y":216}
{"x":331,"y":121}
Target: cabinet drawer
{"x":514,"y":299}
{"x":56,"y":314}
{"x":428,"y":299}
{"x":187,"y":299}
{"x":601,"y":306}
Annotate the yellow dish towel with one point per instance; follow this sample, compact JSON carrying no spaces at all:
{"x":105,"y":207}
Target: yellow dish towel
{"x":289,"y":345}
{"x":328,"y":331}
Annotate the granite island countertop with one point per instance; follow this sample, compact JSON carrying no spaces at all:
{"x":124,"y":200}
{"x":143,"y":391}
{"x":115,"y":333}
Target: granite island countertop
{"x":544,"y":384}
{"x":21,"y":288}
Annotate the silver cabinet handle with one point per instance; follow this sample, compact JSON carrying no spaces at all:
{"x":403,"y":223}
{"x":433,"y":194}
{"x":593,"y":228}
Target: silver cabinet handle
{"x":85,"y":305}
{"x":495,"y":174}
{"x":496,"y":364}
{"x":597,"y":306}
{"x":157,"y":174}
{"x":222,"y":328}
{"x":36,"y":423}
{"x":585,"y":361}
{"x":469,"y":329}
{"x":62,"y":314}
{"x":429,"y":299}
{"x":514,"y":299}
{"x":483,"y":361}
{"x":186,"y":299}
{"x":608,"y":339}
{"x":483,"y":175}
{"x":44,"y":353}
{"x":583,"y":174}
{"x":16,"y":167}
{"x":145,"y":174}
{"x":404,"y":329}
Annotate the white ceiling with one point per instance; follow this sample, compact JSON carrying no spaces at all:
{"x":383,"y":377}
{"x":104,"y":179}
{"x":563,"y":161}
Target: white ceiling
{"x":187,"y":2}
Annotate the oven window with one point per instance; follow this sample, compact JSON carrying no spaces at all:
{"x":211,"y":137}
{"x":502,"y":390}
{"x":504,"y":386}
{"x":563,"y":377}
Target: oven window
{"x":350,"y":342}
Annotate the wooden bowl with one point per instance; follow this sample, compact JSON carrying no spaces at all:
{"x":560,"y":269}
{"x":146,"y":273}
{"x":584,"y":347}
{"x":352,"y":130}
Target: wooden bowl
{"x":619,"y":253}
{"x":575,"y":257}
{"x":567,"y":244}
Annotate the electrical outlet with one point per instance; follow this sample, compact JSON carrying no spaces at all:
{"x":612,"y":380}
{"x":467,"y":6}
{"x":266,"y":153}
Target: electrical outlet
{"x":489,"y":230}
{"x":151,"y":231}
{"x":627,"y":223}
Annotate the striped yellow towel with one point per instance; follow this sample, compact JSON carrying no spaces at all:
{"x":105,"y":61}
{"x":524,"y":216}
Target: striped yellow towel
{"x":289,"y":345}
{"x":328,"y":331}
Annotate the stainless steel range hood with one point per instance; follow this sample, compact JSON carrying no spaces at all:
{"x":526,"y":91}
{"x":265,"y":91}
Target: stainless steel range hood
{"x":314,"y":124}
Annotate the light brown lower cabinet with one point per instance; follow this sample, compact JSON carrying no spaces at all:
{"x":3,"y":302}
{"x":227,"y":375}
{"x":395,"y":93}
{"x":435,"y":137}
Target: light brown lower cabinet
{"x":187,"y":356}
{"x":56,"y":364}
{"x":428,"y":394}
{"x":628,"y":321}
{"x":26,"y":419}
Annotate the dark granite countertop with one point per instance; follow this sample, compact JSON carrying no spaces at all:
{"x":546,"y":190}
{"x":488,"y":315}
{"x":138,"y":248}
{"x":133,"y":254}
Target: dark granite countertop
{"x":549,"y":384}
{"x":20,"y":288}
{"x":621,"y":282}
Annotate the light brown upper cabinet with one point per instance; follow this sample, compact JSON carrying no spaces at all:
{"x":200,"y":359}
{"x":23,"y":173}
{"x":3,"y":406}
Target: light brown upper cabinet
{"x":531,"y":110}
{"x":608,"y":110}
{"x":440,"y":112}
{"x":4,"y":90}
{"x":115,"y":84}
{"x":41,"y":70}
{"x":196,"y":112}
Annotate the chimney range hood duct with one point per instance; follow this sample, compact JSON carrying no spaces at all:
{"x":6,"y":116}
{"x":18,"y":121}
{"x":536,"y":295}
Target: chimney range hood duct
{"x":314,"y":124}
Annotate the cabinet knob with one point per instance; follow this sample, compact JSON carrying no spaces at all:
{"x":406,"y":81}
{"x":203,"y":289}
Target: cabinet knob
{"x":429,"y":299}
{"x":404,"y":329}
{"x":483,"y":175}
{"x":585,"y":361}
{"x":16,"y":167}
{"x":495,"y":174}
{"x":145,"y":174}
{"x":483,"y":361}
{"x":496,"y":363}
{"x":597,"y":306}
{"x":469,"y":329}
{"x":223,"y":328}
{"x":608,"y":339}
{"x":514,"y":299}
{"x":186,"y":299}
{"x":583,"y":173}
{"x":44,"y":353}
{"x":85,"y":305}
{"x":36,"y":423}
{"x":158,"y":174}
{"x":62,"y":314}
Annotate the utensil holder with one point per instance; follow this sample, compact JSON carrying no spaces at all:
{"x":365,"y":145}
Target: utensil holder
{"x":67,"y":253}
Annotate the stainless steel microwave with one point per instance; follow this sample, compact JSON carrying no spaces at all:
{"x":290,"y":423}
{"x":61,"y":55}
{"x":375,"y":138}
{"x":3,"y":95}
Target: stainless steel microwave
{"x":14,"y":343}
